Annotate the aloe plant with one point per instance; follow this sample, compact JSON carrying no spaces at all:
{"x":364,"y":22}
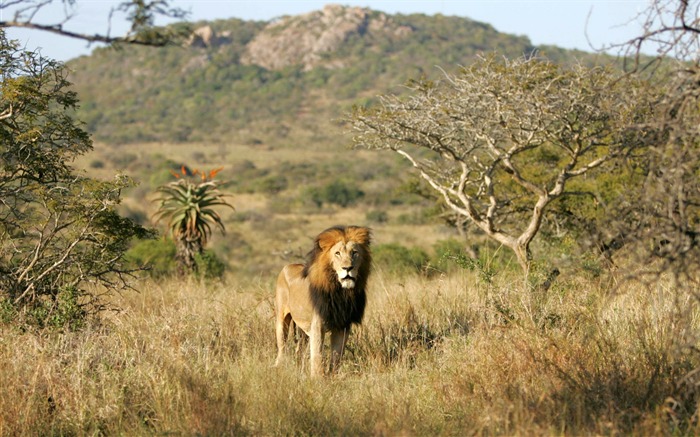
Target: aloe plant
{"x":189,"y":208}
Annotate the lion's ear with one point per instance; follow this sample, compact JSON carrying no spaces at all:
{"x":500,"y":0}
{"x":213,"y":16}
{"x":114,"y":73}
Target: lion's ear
{"x":359,"y":234}
{"x":328,"y":238}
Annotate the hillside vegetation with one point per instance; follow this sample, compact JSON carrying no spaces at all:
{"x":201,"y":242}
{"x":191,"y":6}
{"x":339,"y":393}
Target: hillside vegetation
{"x":281,"y":83}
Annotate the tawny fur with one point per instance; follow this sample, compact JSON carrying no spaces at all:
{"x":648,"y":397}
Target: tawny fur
{"x":326,"y":294}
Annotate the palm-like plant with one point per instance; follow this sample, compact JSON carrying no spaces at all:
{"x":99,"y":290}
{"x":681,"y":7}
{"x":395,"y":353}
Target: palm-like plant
{"x":188,"y":208}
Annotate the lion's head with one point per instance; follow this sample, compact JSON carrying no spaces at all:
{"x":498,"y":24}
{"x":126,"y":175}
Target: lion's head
{"x":337,"y":269}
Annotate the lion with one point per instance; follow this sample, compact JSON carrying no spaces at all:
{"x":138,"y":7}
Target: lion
{"x":326,"y":294}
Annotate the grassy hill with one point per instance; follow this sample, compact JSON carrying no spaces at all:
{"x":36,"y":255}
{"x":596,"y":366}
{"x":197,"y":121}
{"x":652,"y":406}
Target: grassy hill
{"x":281,"y":83}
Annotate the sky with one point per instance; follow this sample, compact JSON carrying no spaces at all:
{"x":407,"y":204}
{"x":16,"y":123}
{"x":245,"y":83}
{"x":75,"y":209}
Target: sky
{"x":572,"y":24}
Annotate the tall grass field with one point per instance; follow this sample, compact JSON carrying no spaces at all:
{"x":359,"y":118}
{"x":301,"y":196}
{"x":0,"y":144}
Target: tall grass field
{"x":446,"y":354}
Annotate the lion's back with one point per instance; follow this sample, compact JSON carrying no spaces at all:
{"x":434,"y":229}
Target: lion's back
{"x":292,"y":272}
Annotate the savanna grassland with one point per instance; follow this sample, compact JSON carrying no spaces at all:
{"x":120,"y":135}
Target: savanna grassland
{"x":455,"y":340}
{"x":447,"y":355}
{"x":446,"y":348}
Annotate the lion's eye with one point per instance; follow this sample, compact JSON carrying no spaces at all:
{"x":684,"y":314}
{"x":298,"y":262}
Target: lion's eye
{"x":337,"y":254}
{"x":354,"y":254}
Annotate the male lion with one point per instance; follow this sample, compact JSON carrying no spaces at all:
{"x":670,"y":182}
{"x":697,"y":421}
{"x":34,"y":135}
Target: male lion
{"x":325,"y":294}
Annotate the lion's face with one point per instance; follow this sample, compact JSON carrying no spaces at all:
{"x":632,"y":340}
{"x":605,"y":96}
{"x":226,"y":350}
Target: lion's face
{"x":345,"y":259}
{"x":342,"y":254}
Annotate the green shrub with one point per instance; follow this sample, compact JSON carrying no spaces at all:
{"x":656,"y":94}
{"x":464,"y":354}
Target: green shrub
{"x":158,"y":256}
{"x":377,"y":216}
{"x":97,"y":163}
{"x":396,"y":258}
{"x":209,"y":266}
{"x":337,"y":193}
{"x":63,"y":312}
{"x":272,"y":184}
{"x":341,"y":193}
{"x":449,"y":254}
{"x":69,"y":313}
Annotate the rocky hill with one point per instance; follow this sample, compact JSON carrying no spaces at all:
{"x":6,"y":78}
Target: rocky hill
{"x":310,"y":40}
{"x":280,"y":83}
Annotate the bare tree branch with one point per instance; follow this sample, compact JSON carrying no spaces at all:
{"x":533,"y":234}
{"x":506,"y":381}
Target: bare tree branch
{"x":507,"y":135}
{"x":141,"y":14}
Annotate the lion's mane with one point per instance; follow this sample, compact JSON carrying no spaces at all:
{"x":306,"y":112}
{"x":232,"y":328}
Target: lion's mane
{"x":338,"y":307}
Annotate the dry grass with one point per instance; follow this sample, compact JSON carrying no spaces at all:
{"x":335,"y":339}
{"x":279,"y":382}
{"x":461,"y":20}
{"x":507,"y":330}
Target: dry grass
{"x":442,"y":356}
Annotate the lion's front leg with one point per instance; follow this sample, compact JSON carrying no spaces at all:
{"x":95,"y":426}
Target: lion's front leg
{"x":316,"y":335}
{"x":338,"y":341}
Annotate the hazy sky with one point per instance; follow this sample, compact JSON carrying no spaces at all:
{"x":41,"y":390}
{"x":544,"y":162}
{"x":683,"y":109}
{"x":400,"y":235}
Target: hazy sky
{"x":564,"y":23}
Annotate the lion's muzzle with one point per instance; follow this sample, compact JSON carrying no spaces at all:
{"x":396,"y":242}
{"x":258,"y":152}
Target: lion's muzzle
{"x":346,"y":277}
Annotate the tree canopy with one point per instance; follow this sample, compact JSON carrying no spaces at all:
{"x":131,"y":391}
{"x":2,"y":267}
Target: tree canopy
{"x":61,"y":239}
{"x":502,"y":139}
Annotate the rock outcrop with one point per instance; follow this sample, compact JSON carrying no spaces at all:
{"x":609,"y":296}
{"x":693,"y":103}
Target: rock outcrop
{"x":307,"y":39}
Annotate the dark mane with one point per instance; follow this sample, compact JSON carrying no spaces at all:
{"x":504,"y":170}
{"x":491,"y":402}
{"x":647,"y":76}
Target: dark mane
{"x":338,"y":307}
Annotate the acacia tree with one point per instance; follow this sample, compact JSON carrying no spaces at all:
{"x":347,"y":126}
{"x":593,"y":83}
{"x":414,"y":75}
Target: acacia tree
{"x":501,"y":140}
{"x":667,"y":203}
{"x":61,"y":240}
{"x":140,"y":13}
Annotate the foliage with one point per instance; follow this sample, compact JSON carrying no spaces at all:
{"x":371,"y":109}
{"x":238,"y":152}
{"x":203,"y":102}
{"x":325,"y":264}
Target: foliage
{"x":451,"y":253}
{"x":209,"y":266}
{"x":183,"y":94}
{"x":156,"y":255}
{"x":377,"y":216}
{"x":664,"y":203}
{"x":501,"y":140}
{"x":396,"y":258}
{"x":189,"y":209}
{"x":61,"y":238}
{"x":337,"y":192}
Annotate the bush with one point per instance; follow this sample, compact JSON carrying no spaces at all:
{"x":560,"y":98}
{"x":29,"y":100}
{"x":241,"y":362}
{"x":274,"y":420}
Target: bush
{"x":272,"y":184}
{"x":157,"y":256}
{"x":396,"y":258}
{"x":209,"y":266}
{"x":337,"y":192}
{"x":62,"y":241}
{"x":449,"y":254}
{"x":96,"y":163}
{"x":377,"y":216}
{"x":341,"y":193}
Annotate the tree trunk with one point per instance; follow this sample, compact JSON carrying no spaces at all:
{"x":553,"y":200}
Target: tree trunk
{"x":523,"y":255}
{"x":185,"y":255}
{"x":520,"y":247}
